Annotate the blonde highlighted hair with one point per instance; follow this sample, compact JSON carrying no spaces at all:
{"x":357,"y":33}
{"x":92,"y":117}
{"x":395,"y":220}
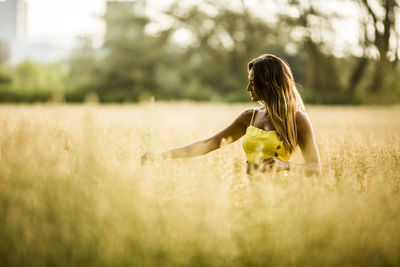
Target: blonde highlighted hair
{"x":275,"y":87}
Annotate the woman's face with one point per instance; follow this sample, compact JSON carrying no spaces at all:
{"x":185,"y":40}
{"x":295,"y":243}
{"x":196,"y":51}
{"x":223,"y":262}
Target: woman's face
{"x":250,"y":87}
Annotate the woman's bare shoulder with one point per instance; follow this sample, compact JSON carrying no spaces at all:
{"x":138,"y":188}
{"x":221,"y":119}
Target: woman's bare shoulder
{"x":247,"y":113}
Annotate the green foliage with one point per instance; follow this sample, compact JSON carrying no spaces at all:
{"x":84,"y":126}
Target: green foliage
{"x":210,"y":64}
{"x":4,"y":53}
{"x":5,"y":75}
{"x":31,"y":82}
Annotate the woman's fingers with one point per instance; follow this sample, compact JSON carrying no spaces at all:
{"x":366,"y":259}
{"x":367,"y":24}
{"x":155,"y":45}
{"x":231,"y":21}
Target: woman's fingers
{"x":144,"y":158}
{"x":149,"y":157}
{"x":276,"y":164}
{"x":269,"y":160}
{"x":268,"y":163}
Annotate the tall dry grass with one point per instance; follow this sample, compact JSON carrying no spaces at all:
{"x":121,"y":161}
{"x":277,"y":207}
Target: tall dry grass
{"x":72,"y":191}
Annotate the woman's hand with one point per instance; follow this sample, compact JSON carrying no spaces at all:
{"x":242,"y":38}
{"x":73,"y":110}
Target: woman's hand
{"x":148,"y":156}
{"x":144,"y":158}
{"x":272,"y":163}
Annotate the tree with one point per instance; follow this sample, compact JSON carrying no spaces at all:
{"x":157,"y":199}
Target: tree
{"x":383,"y":30}
{"x":313,"y":45}
{"x":123,"y":69}
{"x":344,"y":76}
{"x":4,"y":55}
{"x":84,"y":69}
{"x":222,"y":41}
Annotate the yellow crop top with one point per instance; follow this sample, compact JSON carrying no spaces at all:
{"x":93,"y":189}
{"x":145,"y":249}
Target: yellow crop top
{"x":259,"y":144}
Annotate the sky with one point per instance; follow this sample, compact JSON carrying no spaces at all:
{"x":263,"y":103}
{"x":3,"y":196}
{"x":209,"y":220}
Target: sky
{"x":70,"y":18}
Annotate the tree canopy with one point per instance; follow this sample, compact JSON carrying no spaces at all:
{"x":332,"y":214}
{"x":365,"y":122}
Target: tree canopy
{"x":200,"y":51}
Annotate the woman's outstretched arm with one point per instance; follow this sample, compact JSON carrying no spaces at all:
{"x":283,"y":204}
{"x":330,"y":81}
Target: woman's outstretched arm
{"x":231,"y":133}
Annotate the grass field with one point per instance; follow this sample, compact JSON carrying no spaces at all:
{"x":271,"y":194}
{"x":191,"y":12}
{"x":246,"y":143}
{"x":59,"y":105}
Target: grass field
{"x":72,"y":191}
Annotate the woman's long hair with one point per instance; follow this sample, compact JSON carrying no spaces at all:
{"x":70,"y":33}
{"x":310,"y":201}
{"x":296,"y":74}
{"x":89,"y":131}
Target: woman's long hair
{"x":275,"y":87}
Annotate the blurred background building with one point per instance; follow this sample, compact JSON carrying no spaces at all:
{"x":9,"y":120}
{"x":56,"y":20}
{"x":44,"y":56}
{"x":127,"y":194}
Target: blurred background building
{"x":14,"y":33}
{"x":21,"y":44}
{"x":13,"y":20}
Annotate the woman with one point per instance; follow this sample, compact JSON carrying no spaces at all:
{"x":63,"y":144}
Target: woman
{"x":271,"y":132}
